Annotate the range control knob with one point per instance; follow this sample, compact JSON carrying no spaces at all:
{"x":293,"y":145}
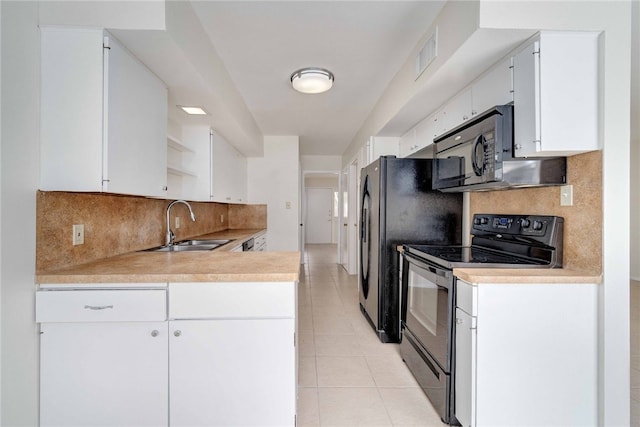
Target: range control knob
{"x":537,"y":225}
{"x":480,"y":221}
{"x":524,"y":222}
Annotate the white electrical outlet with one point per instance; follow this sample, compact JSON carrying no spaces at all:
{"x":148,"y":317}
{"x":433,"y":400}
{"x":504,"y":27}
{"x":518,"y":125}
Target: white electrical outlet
{"x":78,"y":234}
{"x":177,"y":222}
{"x":566,"y":195}
{"x":287,"y":205}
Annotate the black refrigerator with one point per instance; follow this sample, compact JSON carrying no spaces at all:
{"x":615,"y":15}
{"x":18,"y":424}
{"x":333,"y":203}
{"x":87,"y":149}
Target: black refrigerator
{"x":398,"y":207}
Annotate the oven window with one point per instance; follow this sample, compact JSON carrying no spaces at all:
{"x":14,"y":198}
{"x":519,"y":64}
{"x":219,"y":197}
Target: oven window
{"x":423,"y":301}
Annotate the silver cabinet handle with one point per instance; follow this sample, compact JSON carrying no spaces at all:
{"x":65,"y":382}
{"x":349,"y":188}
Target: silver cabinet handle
{"x":97,"y":307}
{"x":459,"y":321}
{"x":154,"y":333}
{"x":177,"y":333}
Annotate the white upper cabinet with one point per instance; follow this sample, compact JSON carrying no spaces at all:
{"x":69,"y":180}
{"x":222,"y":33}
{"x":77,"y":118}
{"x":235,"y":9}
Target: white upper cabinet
{"x":407,"y":144}
{"x":495,"y":87}
{"x":103,"y":116}
{"x":377,"y":146}
{"x":455,"y":112}
{"x":556,"y":90}
{"x":228,"y":173}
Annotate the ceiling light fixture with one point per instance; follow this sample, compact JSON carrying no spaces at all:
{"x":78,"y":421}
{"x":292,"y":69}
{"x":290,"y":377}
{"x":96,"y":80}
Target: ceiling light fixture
{"x":312,"y":80}
{"x":199,"y":111}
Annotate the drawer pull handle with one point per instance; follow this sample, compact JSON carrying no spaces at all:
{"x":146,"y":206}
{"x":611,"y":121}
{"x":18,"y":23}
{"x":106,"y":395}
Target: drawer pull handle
{"x":154,"y":333}
{"x":177,"y":333}
{"x":97,"y":307}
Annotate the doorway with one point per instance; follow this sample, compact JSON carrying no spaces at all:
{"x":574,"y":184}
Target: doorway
{"x":319,"y":222}
{"x":320,"y":210}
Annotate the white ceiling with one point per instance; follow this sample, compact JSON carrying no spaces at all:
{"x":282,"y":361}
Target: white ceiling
{"x":364,"y":43}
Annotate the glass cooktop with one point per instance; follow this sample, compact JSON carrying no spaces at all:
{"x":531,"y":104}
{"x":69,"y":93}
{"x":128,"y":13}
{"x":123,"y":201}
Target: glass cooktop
{"x":470,"y":256}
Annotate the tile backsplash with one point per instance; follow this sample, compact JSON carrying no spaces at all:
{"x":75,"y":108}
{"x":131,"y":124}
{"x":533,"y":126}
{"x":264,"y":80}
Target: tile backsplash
{"x":582,"y":221}
{"x":116,"y":224}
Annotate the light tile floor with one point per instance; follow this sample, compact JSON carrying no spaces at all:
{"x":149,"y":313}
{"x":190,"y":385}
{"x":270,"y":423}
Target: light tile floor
{"x":346,"y":376}
{"x":635,"y":352}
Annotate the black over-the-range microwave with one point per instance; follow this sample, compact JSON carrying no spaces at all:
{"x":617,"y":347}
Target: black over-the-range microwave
{"x":478,"y":155}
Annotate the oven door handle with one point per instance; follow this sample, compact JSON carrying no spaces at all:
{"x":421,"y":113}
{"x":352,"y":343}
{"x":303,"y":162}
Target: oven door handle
{"x":441,"y":275}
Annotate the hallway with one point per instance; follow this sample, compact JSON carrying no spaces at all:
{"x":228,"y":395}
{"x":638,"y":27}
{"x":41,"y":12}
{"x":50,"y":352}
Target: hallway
{"x":347,"y":377}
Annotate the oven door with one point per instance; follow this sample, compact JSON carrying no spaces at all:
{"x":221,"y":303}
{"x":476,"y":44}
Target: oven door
{"x":430,"y":302}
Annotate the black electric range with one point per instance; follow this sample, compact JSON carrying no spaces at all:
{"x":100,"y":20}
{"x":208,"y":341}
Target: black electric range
{"x":502,"y":241}
{"x":428,"y":297}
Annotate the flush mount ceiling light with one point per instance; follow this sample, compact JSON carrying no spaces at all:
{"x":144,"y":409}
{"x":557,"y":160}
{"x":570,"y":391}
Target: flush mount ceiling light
{"x":312,"y":80}
{"x":199,"y":111}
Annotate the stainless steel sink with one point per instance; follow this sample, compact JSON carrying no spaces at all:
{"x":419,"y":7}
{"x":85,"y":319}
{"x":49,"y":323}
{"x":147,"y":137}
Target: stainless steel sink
{"x":191,"y":245}
{"x":196,"y":242}
{"x":182,"y":248}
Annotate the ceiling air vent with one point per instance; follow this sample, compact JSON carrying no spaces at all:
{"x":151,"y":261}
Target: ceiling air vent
{"x":427,"y":54}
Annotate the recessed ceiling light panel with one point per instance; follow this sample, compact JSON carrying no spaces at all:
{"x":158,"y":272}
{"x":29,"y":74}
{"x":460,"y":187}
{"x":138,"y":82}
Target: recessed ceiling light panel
{"x":312,"y":80}
{"x":198,"y":111}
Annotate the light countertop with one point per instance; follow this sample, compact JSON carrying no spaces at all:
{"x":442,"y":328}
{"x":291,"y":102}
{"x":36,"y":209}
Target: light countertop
{"x":219,"y":265}
{"x":525,"y":276}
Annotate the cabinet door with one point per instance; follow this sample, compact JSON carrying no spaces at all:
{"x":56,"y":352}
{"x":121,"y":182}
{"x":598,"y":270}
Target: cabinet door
{"x":407,"y":143}
{"x":465,"y":373}
{"x":104,"y":374}
{"x":425,"y":132}
{"x":240,"y":178}
{"x":232,"y":372}
{"x":71,"y":105}
{"x":456,"y":111}
{"x":494,"y":88}
{"x":229,"y":172}
{"x":135,"y":158}
{"x":526,"y":100}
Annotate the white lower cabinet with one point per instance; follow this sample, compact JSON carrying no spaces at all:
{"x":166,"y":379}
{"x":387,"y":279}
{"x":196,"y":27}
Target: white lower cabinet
{"x":103,"y":374}
{"x":232,"y":372}
{"x":260,"y":243}
{"x":526,"y":354}
{"x":219,"y":354}
{"x":232,"y":354}
{"x":465,"y":368}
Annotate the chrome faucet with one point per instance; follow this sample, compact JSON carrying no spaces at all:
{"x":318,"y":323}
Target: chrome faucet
{"x":170,"y":236}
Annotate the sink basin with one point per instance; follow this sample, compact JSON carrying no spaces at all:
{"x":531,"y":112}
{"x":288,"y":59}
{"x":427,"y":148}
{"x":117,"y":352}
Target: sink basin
{"x":195,"y":242}
{"x":191,"y":245}
{"x":183,"y":248}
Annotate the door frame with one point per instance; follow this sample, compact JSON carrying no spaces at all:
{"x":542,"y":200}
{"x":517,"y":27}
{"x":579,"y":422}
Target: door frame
{"x":303,"y":206}
{"x":353,"y":216}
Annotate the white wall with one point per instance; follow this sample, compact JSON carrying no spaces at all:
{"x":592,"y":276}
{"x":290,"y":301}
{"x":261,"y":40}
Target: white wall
{"x":0,"y":214}
{"x":321,"y":163}
{"x":20,"y":146}
{"x":148,"y":14}
{"x":274,"y":180}
{"x":635,"y":143}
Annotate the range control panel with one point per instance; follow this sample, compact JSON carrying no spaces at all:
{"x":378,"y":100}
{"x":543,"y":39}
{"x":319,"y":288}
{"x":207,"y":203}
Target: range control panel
{"x":518,"y":225}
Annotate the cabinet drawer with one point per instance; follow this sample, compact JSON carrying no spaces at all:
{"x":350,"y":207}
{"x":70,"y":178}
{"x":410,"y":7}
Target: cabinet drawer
{"x":224,"y":300}
{"x":466,"y":296}
{"x":101,"y":305}
{"x":260,"y":240}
